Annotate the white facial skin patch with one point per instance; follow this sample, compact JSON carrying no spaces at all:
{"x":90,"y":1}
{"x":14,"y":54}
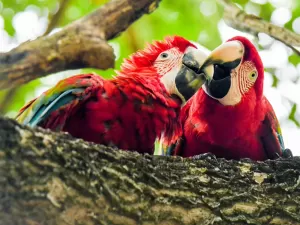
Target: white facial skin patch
{"x":167,"y":60}
{"x":167,"y":65}
{"x":242,"y":79}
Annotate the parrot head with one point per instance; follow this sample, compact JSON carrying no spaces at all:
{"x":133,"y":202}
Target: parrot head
{"x":233,"y":70}
{"x":175,"y":61}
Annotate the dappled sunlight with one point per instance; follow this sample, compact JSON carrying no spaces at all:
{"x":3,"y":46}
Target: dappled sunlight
{"x":296,"y":25}
{"x":282,"y":3}
{"x":252,"y":8}
{"x":208,"y":7}
{"x":28,"y":25}
{"x":227,"y":32}
{"x":281,"y":16}
{"x":276,"y":49}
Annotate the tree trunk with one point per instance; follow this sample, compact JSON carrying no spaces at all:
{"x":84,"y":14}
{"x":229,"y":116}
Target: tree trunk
{"x":52,"y":178}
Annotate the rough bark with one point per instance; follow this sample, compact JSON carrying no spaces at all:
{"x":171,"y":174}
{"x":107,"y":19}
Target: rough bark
{"x":51,"y":178}
{"x":81,"y":44}
{"x":238,"y":19}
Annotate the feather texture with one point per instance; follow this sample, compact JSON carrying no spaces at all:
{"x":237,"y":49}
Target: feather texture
{"x":120,"y":113}
{"x":129,"y":111}
{"x":248,"y":129}
{"x":233,"y":132}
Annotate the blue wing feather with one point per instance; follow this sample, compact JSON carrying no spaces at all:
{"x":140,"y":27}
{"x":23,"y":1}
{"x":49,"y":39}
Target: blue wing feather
{"x":46,"y":109}
{"x":65,"y":95}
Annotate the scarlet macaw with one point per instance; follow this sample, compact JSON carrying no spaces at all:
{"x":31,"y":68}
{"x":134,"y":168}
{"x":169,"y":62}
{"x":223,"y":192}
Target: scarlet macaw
{"x":131,"y":110}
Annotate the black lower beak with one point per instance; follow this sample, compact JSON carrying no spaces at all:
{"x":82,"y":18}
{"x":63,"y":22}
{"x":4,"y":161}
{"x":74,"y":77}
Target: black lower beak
{"x":188,"y":82}
{"x":219,"y":86}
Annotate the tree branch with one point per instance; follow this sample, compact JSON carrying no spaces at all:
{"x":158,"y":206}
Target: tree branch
{"x":81,"y":44}
{"x":52,"y":178}
{"x":238,"y":19}
{"x":53,"y":22}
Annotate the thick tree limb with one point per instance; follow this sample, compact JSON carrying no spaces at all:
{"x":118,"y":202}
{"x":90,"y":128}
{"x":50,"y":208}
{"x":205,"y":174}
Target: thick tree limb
{"x":242,"y":21}
{"x":51,"y":178}
{"x":53,"y":22}
{"x":81,"y":44}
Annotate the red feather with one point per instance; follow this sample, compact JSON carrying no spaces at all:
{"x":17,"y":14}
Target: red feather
{"x":246,"y":130}
{"x":129,"y":111}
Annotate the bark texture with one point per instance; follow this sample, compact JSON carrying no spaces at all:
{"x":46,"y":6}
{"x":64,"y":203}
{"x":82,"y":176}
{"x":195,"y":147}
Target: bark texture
{"x":81,"y":44}
{"x":52,"y":178}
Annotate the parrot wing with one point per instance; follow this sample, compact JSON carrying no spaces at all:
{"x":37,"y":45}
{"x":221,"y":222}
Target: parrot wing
{"x":62,"y":98}
{"x":271,"y":137}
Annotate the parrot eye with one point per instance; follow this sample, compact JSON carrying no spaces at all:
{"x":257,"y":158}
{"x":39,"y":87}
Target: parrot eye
{"x":253,"y":75}
{"x":164,"y":55}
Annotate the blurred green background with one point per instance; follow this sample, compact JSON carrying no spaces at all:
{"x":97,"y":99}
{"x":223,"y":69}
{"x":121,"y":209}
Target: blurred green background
{"x":197,"y":20}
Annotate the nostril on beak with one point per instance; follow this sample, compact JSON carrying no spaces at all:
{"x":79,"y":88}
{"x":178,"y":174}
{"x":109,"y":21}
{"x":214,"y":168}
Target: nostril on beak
{"x":189,"y":61}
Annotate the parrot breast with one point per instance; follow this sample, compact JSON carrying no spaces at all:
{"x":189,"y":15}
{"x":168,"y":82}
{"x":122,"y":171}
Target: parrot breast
{"x":230,"y":132}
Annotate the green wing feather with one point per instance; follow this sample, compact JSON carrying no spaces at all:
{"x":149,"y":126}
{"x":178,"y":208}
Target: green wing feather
{"x":67,"y":91}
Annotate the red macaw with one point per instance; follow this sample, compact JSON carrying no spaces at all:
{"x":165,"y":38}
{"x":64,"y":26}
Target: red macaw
{"x":230,"y":117}
{"x":131,"y":110}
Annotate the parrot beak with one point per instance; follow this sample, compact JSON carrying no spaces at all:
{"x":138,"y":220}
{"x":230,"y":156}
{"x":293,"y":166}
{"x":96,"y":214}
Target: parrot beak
{"x":189,"y":79}
{"x":218,"y":67}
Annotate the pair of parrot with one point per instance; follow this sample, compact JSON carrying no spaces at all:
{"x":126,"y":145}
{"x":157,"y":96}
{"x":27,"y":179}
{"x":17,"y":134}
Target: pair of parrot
{"x":196,"y":103}
{"x":131,"y":110}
